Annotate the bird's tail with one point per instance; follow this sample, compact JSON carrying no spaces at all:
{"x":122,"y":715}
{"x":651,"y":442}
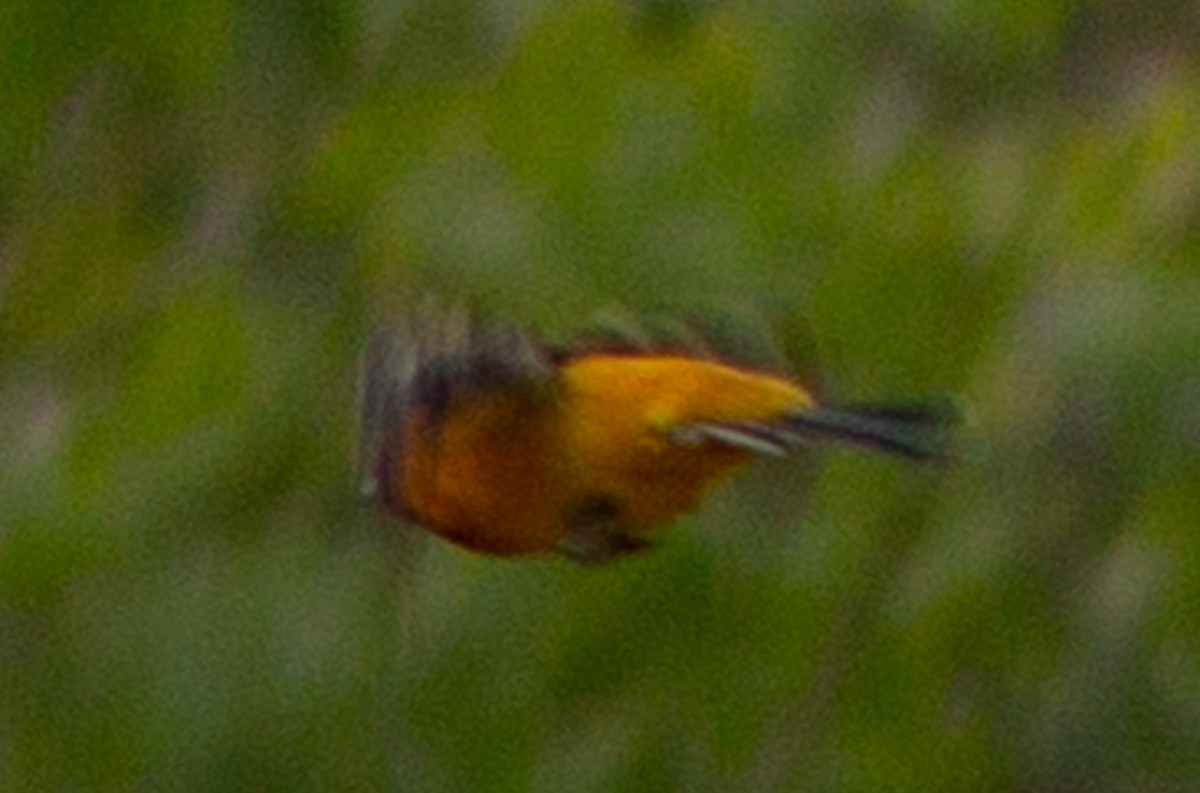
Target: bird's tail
{"x":916,"y":429}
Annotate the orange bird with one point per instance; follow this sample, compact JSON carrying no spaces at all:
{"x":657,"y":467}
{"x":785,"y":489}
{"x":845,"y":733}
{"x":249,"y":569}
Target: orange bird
{"x":507,"y":445}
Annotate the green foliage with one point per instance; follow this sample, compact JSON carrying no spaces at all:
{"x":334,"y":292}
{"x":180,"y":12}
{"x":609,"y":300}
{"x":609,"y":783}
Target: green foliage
{"x":205,"y":207}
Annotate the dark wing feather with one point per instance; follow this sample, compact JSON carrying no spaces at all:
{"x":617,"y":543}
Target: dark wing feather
{"x":737,"y":338}
{"x":435,"y":355}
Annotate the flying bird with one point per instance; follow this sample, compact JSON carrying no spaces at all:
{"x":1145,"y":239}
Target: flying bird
{"x":495,"y":440}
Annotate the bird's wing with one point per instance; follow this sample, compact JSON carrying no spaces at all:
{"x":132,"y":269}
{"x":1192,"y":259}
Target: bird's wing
{"x":737,"y":338}
{"x":438,"y":353}
{"x":757,"y":437}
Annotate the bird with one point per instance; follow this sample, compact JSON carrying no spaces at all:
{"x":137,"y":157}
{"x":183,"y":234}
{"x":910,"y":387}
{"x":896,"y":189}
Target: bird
{"x":477,"y":430}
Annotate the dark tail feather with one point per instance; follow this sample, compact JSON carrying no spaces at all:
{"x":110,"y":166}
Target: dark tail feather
{"x":919,"y":430}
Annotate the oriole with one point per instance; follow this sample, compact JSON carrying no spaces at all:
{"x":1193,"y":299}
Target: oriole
{"x":506,"y":445}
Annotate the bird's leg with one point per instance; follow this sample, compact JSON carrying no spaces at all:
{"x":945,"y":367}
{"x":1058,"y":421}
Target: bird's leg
{"x":596,"y":535}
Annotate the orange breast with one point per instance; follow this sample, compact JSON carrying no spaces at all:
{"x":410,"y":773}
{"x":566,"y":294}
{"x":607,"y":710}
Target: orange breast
{"x":485,"y":475}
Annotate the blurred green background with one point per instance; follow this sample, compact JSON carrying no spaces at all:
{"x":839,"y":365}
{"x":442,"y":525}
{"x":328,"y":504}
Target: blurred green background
{"x":205,"y":206}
